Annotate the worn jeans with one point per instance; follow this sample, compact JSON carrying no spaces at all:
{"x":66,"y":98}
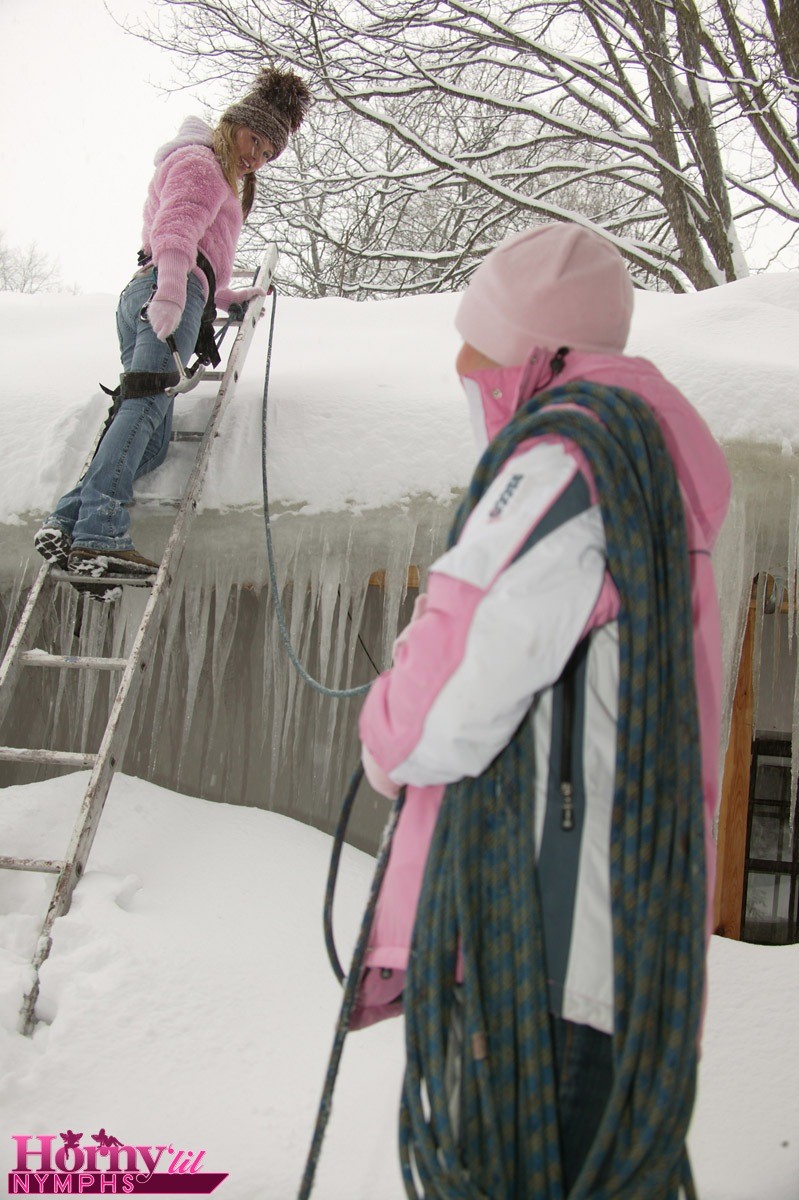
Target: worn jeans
{"x":94,"y":513}
{"x":583,"y":1060}
{"x":584,"y":1080}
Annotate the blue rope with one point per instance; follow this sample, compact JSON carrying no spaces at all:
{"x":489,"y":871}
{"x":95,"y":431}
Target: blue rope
{"x":334,"y":693}
{"x":479,"y":895}
{"x":351,"y":986}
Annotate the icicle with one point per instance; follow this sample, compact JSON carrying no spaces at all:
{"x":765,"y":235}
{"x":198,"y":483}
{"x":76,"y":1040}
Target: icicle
{"x":762,"y":602}
{"x":12,"y":603}
{"x":196,"y":607}
{"x":221,"y":710}
{"x":166,"y":656}
{"x":793,"y":557}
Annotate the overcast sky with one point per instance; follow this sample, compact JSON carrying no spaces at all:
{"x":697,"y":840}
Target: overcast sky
{"x":81,"y":115}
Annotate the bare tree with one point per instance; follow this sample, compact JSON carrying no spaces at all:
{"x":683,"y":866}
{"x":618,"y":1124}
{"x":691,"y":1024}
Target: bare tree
{"x":357,"y":211}
{"x":667,"y":124}
{"x":27,"y":270}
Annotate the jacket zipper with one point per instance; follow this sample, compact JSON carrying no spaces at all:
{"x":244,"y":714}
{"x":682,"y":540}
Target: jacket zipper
{"x":567,"y":737}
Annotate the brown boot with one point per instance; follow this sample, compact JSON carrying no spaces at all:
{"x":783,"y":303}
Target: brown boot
{"x":97,"y":563}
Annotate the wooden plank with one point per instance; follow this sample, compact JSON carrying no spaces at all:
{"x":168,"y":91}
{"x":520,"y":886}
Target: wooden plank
{"x":735,"y":796}
{"x":378,"y":578}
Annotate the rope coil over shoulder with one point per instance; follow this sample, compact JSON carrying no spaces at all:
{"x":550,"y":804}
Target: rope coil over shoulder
{"x":479,"y":896}
{"x":479,"y":890}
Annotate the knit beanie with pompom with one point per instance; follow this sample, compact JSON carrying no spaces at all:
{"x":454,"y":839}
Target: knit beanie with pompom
{"x":274,"y":108}
{"x":552,"y":286}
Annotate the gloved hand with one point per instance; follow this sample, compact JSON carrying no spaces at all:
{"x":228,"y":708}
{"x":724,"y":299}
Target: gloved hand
{"x":377,"y":776}
{"x":164,"y":316}
{"x":242,"y":296}
{"x":419,"y":609}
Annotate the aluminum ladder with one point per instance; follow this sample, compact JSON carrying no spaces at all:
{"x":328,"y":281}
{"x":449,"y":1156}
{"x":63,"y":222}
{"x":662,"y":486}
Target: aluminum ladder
{"x":19,"y":655}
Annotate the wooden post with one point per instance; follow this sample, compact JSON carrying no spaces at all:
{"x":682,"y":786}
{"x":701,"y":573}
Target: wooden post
{"x":735,"y":796}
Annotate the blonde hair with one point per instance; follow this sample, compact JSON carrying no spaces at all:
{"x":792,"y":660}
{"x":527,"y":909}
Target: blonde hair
{"x":224,"y":147}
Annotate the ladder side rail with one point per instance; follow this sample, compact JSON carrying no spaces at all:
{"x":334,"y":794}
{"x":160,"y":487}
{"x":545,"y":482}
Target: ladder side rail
{"x":113,"y":744}
{"x":114,"y":741}
{"x":27,"y":627}
{"x":31,"y":616}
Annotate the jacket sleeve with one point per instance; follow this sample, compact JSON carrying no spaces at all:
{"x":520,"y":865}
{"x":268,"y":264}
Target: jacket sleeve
{"x":506,"y":607}
{"x":192,"y":193}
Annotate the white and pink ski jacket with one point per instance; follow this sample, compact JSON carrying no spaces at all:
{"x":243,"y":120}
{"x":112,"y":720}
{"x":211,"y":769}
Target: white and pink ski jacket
{"x":505,"y":609}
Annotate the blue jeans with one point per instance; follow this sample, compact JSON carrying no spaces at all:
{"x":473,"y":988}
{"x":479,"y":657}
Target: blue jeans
{"x":583,"y":1060}
{"x":94,"y":513}
{"x":584,"y":1080}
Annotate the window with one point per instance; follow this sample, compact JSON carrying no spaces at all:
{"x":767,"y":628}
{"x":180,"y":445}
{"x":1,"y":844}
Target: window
{"x":771,"y":883}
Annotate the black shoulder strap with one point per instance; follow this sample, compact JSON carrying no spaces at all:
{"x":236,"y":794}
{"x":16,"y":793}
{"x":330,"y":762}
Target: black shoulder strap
{"x":205,"y":348}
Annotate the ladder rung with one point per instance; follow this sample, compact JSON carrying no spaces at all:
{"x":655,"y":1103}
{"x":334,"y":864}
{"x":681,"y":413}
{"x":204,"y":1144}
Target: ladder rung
{"x":187,"y":435}
{"x":39,"y":658}
{"x":48,"y":866}
{"x":56,"y":758}
{"x":159,"y":501}
{"x":213,"y":376}
{"x":103,"y":580}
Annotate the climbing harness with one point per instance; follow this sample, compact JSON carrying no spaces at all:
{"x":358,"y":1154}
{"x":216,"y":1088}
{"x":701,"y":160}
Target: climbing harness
{"x":206,"y":346}
{"x":479,"y":896}
{"x":334,"y":693}
{"x":137,"y":384}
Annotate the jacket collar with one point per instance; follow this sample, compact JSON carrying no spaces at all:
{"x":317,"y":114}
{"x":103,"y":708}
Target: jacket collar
{"x":495,"y":393}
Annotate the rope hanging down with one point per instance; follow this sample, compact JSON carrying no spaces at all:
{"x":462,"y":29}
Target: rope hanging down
{"x":334,"y":693}
{"x":479,"y":892}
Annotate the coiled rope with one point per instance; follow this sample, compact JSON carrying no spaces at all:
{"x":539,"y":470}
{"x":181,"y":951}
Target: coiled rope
{"x":479,"y":893}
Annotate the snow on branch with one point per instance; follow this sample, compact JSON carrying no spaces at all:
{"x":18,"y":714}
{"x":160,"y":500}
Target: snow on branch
{"x":657,"y":123}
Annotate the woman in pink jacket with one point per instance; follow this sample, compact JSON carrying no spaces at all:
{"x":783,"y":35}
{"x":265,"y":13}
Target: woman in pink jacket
{"x":522,"y":600}
{"x":202,"y":190}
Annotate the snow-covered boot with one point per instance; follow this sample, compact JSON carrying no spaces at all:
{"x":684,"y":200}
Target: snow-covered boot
{"x":97,"y":563}
{"x":53,"y":544}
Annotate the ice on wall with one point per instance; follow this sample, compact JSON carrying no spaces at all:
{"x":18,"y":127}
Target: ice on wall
{"x":222,"y":713}
{"x":369,"y":447}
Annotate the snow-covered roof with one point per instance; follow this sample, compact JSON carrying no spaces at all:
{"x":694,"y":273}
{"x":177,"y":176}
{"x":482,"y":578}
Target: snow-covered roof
{"x":365,"y":407}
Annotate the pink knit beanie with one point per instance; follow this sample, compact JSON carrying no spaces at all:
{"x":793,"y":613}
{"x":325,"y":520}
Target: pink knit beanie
{"x":552,"y":286}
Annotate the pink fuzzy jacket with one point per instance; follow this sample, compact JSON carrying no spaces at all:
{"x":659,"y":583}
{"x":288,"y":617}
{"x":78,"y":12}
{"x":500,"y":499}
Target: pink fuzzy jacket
{"x":190,"y":206}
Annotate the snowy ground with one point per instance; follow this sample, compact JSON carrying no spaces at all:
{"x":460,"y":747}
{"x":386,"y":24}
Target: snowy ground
{"x":187,"y":1000}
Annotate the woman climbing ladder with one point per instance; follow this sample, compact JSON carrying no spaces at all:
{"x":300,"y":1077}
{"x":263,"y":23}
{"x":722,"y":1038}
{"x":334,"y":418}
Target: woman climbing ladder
{"x":202,"y":191}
